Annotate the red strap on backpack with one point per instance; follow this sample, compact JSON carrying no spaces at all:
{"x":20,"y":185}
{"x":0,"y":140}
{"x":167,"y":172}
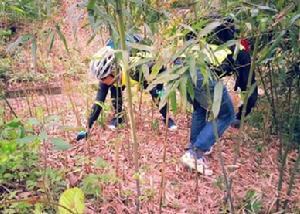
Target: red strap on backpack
{"x":246,"y":44}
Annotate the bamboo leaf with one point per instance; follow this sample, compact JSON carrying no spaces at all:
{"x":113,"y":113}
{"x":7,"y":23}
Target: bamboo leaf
{"x":141,"y":47}
{"x":218,"y":92}
{"x":91,"y":4}
{"x":192,"y":69}
{"x":183,"y":91}
{"x":91,"y":39}
{"x":17,"y":9}
{"x":169,"y":89}
{"x":145,"y":70}
{"x":52,"y":37}
{"x":190,"y":90}
{"x":172,"y":97}
{"x":209,"y":28}
{"x":62,"y":37}
{"x":33,"y":52}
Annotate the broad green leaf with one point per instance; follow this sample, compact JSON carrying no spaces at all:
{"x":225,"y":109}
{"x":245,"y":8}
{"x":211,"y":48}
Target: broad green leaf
{"x":7,"y":147}
{"x":15,"y":123}
{"x":27,"y":139}
{"x":43,"y":135}
{"x":218,"y":92}
{"x":32,"y":121}
{"x":72,"y":199}
{"x":60,"y":144}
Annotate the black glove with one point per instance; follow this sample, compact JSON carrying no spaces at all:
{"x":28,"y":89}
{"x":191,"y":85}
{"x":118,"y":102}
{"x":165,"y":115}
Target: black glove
{"x":81,"y":135}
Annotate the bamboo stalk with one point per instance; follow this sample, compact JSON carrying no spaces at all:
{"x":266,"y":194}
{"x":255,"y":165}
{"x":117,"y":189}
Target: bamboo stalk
{"x":121,"y":28}
{"x":163,"y":172}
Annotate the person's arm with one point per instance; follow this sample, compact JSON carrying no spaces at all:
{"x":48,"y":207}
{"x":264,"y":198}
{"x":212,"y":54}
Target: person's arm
{"x":96,"y":110}
{"x":226,"y":68}
{"x":243,"y":66}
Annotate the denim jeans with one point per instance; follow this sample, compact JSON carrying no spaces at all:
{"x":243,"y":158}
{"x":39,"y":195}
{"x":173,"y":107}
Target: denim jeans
{"x":202,"y":131}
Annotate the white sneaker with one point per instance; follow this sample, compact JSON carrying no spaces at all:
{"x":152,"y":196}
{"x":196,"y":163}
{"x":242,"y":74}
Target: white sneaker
{"x":114,"y":123}
{"x":190,"y":161}
{"x":209,"y":151}
{"x":171,"y":125}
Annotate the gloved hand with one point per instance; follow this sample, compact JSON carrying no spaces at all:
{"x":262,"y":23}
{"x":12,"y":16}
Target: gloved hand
{"x":81,"y":135}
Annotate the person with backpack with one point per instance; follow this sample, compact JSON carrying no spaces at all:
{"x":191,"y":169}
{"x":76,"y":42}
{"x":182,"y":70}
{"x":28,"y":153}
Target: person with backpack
{"x":103,"y":67}
{"x":238,"y":65}
{"x":202,"y":134}
{"x":204,"y":129}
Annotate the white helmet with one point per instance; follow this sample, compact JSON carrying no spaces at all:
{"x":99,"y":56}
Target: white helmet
{"x":101,"y":64}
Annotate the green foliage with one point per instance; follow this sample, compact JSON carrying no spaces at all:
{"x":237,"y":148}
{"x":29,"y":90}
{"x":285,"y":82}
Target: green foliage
{"x":252,"y":202}
{"x":92,"y":184}
{"x":14,"y":10}
{"x":148,"y":194}
{"x":73,"y":199}
{"x":19,"y":159}
{"x":19,"y":169}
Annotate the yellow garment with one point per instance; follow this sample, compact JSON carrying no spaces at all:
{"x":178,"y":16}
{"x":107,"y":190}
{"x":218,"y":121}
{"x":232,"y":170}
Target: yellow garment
{"x":123,"y":80}
{"x":215,"y":56}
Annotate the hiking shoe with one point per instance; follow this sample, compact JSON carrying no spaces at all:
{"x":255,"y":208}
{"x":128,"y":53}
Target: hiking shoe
{"x":209,"y":151}
{"x":236,"y":124}
{"x":114,"y":123}
{"x":171,"y":125}
{"x":81,"y":135}
{"x":189,"y":159}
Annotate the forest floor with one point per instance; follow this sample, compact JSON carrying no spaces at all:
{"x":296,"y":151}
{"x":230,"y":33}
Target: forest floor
{"x":256,"y":169}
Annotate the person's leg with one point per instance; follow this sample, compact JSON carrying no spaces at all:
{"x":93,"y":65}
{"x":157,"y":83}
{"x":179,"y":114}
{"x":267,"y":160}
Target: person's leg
{"x":155,"y":93}
{"x":198,"y":122}
{"x":192,"y":158}
{"x":116,"y":96}
{"x":206,"y":138}
{"x":250,"y":104}
{"x":97,"y":106}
